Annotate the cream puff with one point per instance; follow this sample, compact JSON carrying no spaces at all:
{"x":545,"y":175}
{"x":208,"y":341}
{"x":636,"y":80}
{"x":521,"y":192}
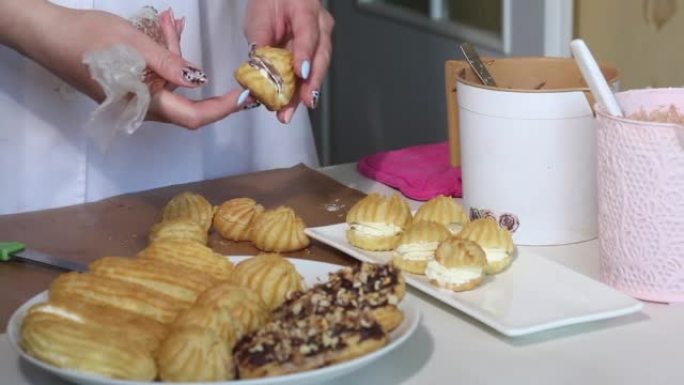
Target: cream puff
{"x":269,"y":75}
{"x":271,"y":276}
{"x":279,"y":230}
{"x":195,"y":354}
{"x":234,"y":218}
{"x":459,"y":265}
{"x":191,"y":206}
{"x":417,"y":246}
{"x":443,"y":210}
{"x":496,"y":242}
{"x":376,"y":222}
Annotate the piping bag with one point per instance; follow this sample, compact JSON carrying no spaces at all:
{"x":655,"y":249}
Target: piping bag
{"x":124,"y":77}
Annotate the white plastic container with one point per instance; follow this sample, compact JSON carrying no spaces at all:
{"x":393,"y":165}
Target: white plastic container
{"x":528,"y":148}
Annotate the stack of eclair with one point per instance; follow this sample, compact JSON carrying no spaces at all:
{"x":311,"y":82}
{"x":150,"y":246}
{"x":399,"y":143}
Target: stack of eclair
{"x":178,"y":311}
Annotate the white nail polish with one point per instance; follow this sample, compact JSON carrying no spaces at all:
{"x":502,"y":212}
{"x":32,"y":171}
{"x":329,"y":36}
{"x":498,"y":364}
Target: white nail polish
{"x":306,"y":69}
{"x":243,"y":96}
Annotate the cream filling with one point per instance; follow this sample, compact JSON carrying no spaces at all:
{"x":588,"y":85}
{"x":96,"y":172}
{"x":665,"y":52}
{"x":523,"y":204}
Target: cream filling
{"x":455,"y":228}
{"x":495,"y":254}
{"x":376,"y":229}
{"x":267,"y":71}
{"x":455,"y":276}
{"x":422,"y":251}
{"x":49,"y":309}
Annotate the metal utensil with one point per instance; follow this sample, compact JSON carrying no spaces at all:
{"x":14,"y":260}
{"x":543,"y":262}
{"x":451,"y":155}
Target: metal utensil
{"x":477,"y":65}
{"x":9,"y":250}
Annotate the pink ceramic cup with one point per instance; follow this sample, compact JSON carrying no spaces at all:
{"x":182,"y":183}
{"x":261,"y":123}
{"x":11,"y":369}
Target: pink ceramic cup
{"x":641,"y":197}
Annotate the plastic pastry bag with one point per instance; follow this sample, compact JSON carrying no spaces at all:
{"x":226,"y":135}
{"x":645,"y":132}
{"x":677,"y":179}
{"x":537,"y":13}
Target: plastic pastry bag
{"x":122,"y":73}
{"x":119,"y":71}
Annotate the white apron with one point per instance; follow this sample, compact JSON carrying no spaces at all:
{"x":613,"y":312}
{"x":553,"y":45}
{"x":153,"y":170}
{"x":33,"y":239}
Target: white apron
{"x":47,"y":161}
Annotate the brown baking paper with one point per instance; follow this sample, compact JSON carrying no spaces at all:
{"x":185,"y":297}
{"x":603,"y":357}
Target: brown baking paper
{"x":119,"y":226}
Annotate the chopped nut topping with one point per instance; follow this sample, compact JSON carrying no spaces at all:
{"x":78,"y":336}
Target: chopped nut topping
{"x":324,"y":317}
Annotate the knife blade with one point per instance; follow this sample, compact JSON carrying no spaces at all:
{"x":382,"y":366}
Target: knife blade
{"x":18,"y":250}
{"x":477,"y":65}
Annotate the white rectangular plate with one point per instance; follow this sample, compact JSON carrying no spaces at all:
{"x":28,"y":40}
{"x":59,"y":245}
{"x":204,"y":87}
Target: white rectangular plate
{"x":532,"y":295}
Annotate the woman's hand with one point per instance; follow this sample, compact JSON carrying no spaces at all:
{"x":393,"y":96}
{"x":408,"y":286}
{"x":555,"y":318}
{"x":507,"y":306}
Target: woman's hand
{"x":303,"y":26}
{"x":58,"y":37}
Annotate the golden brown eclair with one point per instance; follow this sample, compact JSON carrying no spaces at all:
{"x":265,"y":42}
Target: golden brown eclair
{"x":190,"y":255}
{"x":147,"y":332}
{"x":67,"y":344}
{"x":165,"y":278}
{"x":131,"y":297}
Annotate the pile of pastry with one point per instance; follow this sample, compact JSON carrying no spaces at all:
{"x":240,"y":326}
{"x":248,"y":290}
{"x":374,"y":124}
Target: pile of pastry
{"x":239,"y":219}
{"x":178,"y":311}
{"x":439,"y":241}
{"x":243,"y":219}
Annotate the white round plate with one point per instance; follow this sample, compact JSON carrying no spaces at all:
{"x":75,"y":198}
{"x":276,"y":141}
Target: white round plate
{"x":312,"y":272}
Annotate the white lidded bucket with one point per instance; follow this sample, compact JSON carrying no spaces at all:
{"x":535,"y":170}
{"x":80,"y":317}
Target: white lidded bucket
{"x":527,"y":148}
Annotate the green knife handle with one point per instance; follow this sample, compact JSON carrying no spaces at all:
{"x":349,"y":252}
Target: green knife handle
{"x":7,"y":249}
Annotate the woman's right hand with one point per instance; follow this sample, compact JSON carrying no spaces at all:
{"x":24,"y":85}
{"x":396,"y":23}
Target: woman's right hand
{"x":58,"y":37}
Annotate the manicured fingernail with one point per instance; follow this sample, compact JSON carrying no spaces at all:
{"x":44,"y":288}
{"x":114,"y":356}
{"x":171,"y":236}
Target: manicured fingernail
{"x":180,"y":25}
{"x":194,"y":75}
{"x":288,"y":116}
{"x":306,"y":68}
{"x":315,"y":94}
{"x":251,"y":106}
{"x":243,"y":96}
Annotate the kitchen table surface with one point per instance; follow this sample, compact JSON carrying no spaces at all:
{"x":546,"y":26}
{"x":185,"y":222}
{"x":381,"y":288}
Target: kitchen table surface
{"x":450,"y":347}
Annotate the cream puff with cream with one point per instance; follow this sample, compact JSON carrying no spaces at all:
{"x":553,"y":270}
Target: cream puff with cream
{"x":417,"y":246}
{"x":496,"y":242}
{"x":443,"y":210}
{"x":459,"y":265}
{"x":269,"y":75}
{"x":376,"y":222}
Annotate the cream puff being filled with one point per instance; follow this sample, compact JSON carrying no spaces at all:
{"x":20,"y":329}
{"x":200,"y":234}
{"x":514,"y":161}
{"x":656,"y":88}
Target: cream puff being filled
{"x":443,"y":210}
{"x":376,"y":222}
{"x":496,"y":242}
{"x":269,"y":75}
{"x":459,"y":265}
{"x":417,"y":246}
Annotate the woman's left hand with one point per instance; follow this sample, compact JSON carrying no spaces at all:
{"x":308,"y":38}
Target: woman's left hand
{"x":305,"y":27}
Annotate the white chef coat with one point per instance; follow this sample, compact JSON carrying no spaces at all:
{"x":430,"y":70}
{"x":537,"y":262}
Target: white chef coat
{"x":47,"y":161}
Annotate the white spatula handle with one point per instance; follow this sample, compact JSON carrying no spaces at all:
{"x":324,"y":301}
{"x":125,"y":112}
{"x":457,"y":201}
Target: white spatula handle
{"x":594,"y":78}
